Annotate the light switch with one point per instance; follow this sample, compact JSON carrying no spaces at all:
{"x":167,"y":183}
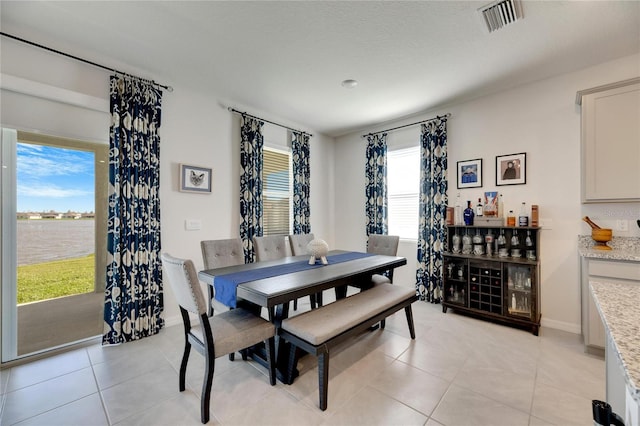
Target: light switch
{"x":192,"y":224}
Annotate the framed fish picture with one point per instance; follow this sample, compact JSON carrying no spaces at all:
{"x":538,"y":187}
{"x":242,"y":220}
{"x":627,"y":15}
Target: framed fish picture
{"x":195,"y":179}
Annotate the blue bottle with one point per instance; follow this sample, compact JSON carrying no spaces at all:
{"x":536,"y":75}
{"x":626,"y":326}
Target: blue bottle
{"x":468,"y":214}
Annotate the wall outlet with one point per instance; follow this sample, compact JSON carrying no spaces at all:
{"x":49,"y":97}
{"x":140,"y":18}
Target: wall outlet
{"x":622,"y":225}
{"x":192,"y":224}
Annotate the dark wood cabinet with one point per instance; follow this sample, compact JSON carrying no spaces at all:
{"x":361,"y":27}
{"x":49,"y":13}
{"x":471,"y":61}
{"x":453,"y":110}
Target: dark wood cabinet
{"x":492,"y":272}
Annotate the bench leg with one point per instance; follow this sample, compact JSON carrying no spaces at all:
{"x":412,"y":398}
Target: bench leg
{"x":323,"y":379}
{"x":409,"y":313}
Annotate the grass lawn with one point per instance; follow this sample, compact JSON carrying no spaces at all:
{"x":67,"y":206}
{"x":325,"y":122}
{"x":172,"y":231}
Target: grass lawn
{"x":49,"y":280}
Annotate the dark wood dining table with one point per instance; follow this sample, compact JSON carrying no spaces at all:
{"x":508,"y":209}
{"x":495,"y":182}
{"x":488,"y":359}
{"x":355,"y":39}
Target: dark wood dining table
{"x":275,"y":292}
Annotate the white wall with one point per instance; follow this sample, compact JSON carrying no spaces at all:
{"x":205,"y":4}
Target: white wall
{"x":196,"y":129}
{"x":540,"y":119}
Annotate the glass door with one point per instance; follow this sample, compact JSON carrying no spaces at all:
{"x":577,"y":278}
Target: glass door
{"x":519,"y":295}
{"x":57,"y":253}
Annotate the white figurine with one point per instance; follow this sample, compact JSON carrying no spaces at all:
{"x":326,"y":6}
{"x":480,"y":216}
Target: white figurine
{"x":318,"y":249}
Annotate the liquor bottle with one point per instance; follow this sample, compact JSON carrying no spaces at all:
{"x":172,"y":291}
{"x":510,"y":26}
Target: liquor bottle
{"x":458,"y":212}
{"x":468,"y":214}
{"x":479,"y":208}
{"x":534,"y":215}
{"x":523,"y":218}
{"x":500,"y":207}
{"x":511,"y":219}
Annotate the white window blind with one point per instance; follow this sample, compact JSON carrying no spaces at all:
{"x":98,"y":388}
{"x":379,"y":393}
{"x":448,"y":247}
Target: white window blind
{"x":403,"y":188}
{"x":277,"y":192}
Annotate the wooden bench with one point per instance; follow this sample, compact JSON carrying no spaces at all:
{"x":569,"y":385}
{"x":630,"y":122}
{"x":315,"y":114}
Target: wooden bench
{"x":320,"y":330}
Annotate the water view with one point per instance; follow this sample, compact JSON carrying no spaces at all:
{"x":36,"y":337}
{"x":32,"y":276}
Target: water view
{"x":46,"y":240}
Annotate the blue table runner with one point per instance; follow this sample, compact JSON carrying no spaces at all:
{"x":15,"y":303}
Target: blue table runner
{"x":225,"y":285}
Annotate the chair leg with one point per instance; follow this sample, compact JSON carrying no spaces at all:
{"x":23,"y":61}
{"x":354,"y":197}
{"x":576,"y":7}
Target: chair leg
{"x":295,"y":304}
{"x":183,"y":365}
{"x":409,"y":313}
{"x":323,"y":379}
{"x":205,"y":399}
{"x":319,"y":299}
{"x":210,"y":307}
{"x":382,"y":323}
{"x":232,"y":356}
{"x":271,"y":360}
{"x":312,"y":300}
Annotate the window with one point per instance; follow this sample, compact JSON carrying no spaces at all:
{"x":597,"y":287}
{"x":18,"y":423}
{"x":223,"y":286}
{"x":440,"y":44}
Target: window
{"x":403,"y":189}
{"x":277,"y":192}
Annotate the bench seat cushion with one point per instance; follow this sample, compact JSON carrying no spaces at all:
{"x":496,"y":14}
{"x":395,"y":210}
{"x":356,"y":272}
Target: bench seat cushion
{"x":319,"y":325}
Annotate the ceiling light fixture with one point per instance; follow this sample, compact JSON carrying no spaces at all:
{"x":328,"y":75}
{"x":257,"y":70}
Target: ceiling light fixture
{"x":349,"y":84}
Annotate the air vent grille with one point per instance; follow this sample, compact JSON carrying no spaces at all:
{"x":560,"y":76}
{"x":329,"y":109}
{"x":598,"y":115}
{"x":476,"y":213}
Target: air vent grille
{"x":501,"y":13}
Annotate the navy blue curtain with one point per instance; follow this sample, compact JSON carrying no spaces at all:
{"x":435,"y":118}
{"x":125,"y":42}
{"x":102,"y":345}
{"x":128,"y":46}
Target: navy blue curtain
{"x":301,"y":187}
{"x":133,"y":294}
{"x":376,"y":184}
{"x":251,"y":164}
{"x":433,"y":207}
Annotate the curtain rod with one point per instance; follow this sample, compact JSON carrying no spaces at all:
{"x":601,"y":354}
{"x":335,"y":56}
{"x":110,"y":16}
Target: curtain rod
{"x":267,"y":121}
{"x":437,"y":117}
{"x":168,"y":88}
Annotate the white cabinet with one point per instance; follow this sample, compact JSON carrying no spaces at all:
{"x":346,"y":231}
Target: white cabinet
{"x":605,"y":271}
{"x":611,"y":142}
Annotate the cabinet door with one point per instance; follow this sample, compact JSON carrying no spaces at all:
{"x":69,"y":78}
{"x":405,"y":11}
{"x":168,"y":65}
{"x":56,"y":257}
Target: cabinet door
{"x":455,"y":282}
{"x":520,"y":295}
{"x":610,"y":148}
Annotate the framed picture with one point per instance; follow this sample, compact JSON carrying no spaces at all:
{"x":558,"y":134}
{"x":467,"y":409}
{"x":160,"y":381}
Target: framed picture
{"x":470,"y":173}
{"x":511,"y":169}
{"x":195,"y":179}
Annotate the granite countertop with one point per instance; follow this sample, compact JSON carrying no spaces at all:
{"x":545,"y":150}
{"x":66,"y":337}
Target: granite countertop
{"x":622,"y":248}
{"x":620,"y":312}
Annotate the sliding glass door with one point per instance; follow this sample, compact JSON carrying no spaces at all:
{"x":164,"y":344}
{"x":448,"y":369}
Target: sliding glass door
{"x":54,"y":256}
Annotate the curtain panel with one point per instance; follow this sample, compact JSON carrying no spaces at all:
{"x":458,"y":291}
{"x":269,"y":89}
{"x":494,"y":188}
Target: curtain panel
{"x":301,"y":186}
{"x":432,"y":210}
{"x":134,"y":291}
{"x":376,"y":184}
{"x":251,"y":164}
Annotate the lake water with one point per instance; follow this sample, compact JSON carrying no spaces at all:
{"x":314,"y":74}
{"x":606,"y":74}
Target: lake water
{"x":45,"y":240}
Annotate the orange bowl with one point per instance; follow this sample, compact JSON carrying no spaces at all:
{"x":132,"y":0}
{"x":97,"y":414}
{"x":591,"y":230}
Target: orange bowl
{"x":601,"y":235}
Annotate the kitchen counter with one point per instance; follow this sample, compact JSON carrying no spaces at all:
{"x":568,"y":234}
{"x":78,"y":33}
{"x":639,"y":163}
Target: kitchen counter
{"x":622,"y":248}
{"x":620,"y":311}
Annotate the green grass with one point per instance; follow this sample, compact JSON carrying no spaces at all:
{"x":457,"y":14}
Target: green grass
{"x":49,"y":280}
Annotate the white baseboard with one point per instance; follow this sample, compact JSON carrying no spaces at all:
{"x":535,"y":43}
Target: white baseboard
{"x":172,"y":320}
{"x":561,"y":325}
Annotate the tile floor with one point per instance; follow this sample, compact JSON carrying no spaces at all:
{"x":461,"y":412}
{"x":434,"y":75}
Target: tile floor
{"x":458,"y":371}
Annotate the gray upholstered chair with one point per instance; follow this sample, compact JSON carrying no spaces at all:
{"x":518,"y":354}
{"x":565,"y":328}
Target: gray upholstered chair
{"x":298,"y":243}
{"x":214,"y":336}
{"x":383,"y":244}
{"x":218,"y":254}
{"x":270,"y":247}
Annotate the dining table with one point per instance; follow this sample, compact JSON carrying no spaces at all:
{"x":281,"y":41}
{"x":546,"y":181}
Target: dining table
{"x":273,"y":284}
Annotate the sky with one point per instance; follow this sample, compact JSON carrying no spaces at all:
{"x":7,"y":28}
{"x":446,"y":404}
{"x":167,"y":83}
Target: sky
{"x":51,"y":178}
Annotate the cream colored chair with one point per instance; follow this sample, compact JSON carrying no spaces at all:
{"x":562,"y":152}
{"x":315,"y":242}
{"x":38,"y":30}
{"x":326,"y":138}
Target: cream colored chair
{"x":214,"y":336}
{"x":386,"y":245}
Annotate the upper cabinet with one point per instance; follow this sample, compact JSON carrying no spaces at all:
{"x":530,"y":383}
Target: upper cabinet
{"x":611,"y":142}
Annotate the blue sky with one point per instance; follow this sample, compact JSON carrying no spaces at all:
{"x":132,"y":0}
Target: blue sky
{"x":52,"y":178}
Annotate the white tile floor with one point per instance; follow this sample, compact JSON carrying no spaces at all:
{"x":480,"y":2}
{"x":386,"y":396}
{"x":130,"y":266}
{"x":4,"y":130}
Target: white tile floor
{"x":458,"y":371}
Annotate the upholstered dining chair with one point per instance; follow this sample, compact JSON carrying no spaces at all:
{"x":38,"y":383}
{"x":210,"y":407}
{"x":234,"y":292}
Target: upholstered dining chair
{"x":386,"y":245}
{"x":221,"y":334}
{"x":218,"y":254}
{"x":298,"y":243}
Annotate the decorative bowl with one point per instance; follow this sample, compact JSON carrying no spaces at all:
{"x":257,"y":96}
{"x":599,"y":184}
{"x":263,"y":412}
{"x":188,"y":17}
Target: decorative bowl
{"x":601,"y":236}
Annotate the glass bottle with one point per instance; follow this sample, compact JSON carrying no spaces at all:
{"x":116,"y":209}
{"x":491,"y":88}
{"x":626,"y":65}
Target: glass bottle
{"x":468,"y":214}
{"x":511,"y":219}
{"x":500,"y":207}
{"x":455,"y":242}
{"x":479,"y":208}
{"x":457,"y":212}
{"x":467,"y":247}
{"x":523,"y":218}
{"x":528,"y":242}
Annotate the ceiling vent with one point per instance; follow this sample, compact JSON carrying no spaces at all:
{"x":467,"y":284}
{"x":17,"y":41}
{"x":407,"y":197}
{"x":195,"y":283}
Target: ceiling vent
{"x":500,"y":13}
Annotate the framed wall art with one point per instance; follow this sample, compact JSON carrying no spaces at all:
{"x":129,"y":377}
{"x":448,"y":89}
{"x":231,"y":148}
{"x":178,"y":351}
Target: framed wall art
{"x":511,"y":169}
{"x":195,"y":179}
{"x":469,"y":173}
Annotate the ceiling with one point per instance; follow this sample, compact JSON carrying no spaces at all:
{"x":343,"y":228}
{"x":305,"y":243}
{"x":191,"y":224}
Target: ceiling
{"x":289,"y":58}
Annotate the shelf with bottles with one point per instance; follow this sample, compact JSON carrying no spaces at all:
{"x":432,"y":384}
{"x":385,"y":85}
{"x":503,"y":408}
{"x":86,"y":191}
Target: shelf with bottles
{"x":485,"y":286}
{"x":455,"y":283}
{"x":505,"y":243}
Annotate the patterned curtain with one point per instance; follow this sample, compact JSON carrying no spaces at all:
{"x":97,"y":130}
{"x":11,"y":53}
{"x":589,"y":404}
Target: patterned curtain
{"x":301,"y":175}
{"x":133,"y":294}
{"x":251,"y":161}
{"x":433,"y":206}
{"x":376,"y":184}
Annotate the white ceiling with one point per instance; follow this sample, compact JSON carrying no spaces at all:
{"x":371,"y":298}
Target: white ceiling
{"x":288,"y":58}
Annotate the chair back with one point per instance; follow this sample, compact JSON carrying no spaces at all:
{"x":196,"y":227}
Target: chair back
{"x":299,"y":243}
{"x":271,"y":247}
{"x":383,"y":244}
{"x":184,"y":282}
{"x":221,"y":253}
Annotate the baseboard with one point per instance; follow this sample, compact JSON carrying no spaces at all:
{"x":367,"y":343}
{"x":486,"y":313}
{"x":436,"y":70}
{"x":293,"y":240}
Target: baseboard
{"x":172,"y":320}
{"x":561,"y":325}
